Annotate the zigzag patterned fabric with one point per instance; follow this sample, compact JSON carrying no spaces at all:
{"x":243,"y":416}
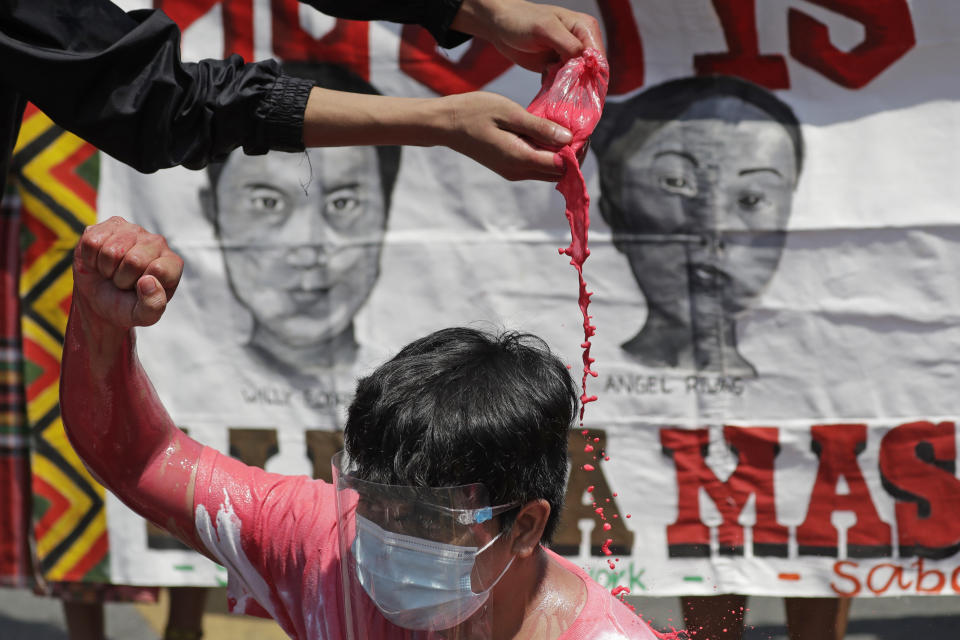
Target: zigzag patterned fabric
{"x":58,"y":174}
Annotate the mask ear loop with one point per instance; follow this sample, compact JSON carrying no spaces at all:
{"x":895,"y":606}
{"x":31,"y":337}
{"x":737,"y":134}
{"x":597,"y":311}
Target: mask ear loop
{"x":487,"y":546}
{"x":502,"y":573}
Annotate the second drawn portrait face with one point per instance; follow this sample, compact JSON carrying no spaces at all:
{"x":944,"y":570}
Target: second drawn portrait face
{"x":697,"y":179}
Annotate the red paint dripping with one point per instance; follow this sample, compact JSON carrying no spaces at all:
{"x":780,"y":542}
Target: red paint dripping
{"x":606,"y":547}
{"x":588,"y":467}
{"x":572,"y":95}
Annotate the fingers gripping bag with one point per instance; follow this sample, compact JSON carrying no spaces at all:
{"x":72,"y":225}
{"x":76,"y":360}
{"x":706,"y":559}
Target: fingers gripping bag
{"x":572,"y":95}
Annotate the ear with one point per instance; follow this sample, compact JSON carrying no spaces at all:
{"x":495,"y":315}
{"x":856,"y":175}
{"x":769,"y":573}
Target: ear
{"x":528,"y":527}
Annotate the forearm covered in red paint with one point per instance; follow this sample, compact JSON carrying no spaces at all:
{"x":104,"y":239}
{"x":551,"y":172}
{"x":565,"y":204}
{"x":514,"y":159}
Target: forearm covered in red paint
{"x":118,"y":426}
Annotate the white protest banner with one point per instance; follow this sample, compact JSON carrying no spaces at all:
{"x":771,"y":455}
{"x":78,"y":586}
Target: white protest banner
{"x":774,"y":241}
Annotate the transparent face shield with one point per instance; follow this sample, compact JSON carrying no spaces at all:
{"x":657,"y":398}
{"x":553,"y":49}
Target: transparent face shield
{"x":417,"y":562}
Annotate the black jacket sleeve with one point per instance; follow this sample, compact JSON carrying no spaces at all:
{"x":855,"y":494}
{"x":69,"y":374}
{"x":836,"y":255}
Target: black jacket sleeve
{"x":434,"y":15}
{"x":117,"y":80}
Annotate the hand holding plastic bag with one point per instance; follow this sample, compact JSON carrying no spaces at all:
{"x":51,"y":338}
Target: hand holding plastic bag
{"x":573,"y":94}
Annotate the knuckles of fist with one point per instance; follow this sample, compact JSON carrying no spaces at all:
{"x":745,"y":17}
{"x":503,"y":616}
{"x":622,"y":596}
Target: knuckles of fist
{"x":113,"y":257}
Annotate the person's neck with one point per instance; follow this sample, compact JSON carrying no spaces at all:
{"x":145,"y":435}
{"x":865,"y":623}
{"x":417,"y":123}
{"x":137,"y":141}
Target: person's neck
{"x":539,"y":601}
{"x":715,"y":336}
{"x":303,"y":361}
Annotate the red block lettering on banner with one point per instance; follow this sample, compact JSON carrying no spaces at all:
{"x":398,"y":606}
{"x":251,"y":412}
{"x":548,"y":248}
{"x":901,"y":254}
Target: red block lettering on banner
{"x":420,"y":60}
{"x":755,"y":448}
{"x":837,"y":447}
{"x":624,"y":46}
{"x":917,"y":466}
{"x":739,"y":21}
{"x":889,"y":35}
{"x":237,"y":20}
{"x":347,"y":43}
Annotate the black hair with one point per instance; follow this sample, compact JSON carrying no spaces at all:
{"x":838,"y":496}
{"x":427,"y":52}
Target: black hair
{"x":462,"y":406}
{"x":339,"y":78}
{"x":645,"y":113}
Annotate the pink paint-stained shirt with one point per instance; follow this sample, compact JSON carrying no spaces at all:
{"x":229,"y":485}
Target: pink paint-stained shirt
{"x":277,"y":536}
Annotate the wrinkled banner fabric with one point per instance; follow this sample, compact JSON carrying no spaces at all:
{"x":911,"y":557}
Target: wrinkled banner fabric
{"x":773,"y":244}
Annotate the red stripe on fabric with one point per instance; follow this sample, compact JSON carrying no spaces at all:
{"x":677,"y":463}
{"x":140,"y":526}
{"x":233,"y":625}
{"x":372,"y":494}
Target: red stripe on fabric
{"x":65,"y":172}
{"x":58,"y":506}
{"x":91,"y":559}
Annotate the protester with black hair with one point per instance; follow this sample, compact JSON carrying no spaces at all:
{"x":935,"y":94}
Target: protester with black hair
{"x":452,"y":477}
{"x":116,"y":80}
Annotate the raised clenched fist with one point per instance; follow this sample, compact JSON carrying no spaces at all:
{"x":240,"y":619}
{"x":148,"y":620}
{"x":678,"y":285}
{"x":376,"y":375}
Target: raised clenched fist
{"x":124,"y":274}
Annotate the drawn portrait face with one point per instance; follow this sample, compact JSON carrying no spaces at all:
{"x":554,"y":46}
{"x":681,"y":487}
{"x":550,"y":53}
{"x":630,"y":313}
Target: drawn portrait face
{"x":699,"y":207}
{"x":301,"y":239}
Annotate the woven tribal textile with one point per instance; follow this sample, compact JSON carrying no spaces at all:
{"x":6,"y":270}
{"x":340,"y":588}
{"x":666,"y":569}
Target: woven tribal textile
{"x":57,"y":186}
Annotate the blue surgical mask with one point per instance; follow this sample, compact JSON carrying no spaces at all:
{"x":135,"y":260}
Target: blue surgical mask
{"x":416,"y":583}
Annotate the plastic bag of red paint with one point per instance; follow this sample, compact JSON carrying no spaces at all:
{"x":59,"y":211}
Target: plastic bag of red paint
{"x":573,"y":93}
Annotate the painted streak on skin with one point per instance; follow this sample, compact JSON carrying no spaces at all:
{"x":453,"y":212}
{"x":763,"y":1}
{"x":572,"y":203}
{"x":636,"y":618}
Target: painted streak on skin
{"x":118,"y":426}
{"x":115,"y":421}
{"x":553,"y":615}
{"x":225,"y":541}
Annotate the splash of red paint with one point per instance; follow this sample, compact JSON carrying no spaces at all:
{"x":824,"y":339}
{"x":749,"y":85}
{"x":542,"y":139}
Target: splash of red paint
{"x":572,"y":95}
{"x":618,"y":590}
{"x":606,"y":547}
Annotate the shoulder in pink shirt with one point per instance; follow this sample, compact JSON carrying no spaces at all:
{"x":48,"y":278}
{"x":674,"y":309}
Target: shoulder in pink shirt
{"x":277,"y":537}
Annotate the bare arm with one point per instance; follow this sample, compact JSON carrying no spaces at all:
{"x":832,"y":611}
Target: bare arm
{"x":123,"y":277}
{"x":493,"y":130}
